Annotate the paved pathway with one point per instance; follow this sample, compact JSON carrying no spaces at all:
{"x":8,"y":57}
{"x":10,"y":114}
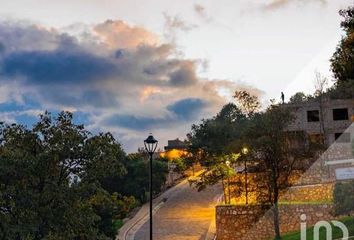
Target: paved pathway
{"x":186,"y":215}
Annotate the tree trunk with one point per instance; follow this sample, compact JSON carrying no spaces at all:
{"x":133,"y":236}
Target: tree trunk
{"x":322,"y":121}
{"x":276,"y":221}
{"x":275,"y":188}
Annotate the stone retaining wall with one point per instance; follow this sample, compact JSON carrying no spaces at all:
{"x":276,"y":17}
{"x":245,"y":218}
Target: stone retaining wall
{"x":309,"y":193}
{"x":252,"y":222}
{"x":313,"y":192}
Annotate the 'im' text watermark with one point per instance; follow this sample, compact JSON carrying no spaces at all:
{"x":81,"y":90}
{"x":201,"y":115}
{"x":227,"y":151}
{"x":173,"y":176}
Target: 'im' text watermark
{"x":326,"y":225}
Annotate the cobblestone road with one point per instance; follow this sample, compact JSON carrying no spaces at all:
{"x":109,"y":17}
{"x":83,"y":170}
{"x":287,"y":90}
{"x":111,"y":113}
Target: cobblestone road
{"x":187,"y":215}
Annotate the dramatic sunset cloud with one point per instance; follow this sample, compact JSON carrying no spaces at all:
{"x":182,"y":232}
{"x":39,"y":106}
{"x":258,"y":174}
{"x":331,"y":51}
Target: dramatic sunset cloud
{"x":119,"y":75}
{"x":117,"y":34}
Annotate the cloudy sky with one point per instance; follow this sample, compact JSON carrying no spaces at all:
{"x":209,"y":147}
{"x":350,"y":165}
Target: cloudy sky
{"x":139,"y":66}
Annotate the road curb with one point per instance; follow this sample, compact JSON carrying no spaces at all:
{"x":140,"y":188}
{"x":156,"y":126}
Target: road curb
{"x":155,"y":209}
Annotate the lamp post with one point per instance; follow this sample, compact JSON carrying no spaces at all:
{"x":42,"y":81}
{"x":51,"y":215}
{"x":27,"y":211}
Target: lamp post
{"x":228,"y":179}
{"x":150,"y":146}
{"x":244,"y":152}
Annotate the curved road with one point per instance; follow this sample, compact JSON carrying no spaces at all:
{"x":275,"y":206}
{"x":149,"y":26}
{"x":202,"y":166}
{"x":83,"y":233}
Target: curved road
{"x":186,"y":215}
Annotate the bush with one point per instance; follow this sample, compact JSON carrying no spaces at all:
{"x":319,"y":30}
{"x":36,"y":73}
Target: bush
{"x":117,"y":224}
{"x":343,"y":197}
{"x":180,"y":165}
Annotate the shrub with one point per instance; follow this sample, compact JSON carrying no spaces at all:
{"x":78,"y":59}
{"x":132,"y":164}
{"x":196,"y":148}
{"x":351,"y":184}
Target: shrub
{"x":180,"y":165}
{"x":116,"y":225}
{"x":343,"y":197}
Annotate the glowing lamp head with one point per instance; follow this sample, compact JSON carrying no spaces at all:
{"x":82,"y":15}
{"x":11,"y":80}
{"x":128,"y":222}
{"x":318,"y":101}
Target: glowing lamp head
{"x":150,"y":144}
{"x":245,"y":150}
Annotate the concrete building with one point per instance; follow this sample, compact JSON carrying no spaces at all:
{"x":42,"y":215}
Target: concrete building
{"x":338,"y":115}
{"x":175,"y":149}
{"x":175,"y":144}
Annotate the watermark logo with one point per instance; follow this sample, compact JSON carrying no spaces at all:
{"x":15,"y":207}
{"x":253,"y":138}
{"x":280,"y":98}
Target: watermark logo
{"x":324,"y":224}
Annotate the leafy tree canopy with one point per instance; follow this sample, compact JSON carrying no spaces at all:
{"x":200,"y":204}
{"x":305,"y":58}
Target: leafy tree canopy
{"x":52,"y":178}
{"x":342,"y":61}
{"x":299,"y":97}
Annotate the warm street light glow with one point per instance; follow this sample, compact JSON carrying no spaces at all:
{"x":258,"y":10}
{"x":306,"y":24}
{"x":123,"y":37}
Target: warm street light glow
{"x":228,"y":163}
{"x":174,"y":153}
{"x":245,"y":150}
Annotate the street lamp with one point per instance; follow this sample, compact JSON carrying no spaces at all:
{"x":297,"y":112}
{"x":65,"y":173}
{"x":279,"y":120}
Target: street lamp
{"x":228,"y":179}
{"x":245,"y":152}
{"x":150,"y":146}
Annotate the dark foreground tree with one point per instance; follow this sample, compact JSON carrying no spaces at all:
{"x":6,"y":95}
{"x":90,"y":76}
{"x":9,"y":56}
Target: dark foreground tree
{"x":50,"y":181}
{"x":136,"y":182}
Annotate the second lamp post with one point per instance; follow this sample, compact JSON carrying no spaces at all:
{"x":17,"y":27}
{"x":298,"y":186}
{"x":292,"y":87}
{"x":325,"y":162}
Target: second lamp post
{"x":150,"y":146}
{"x":244,"y":152}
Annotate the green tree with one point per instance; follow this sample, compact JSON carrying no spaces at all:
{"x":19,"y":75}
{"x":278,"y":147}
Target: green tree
{"x":111,"y":208}
{"x":343,"y":58}
{"x":103,"y":160}
{"x":230,"y":113}
{"x":268,"y":141}
{"x":215,"y":136}
{"x":298,"y":97}
{"x":48,"y":177}
{"x":180,"y":165}
{"x":215,"y":141}
{"x":136,"y":181}
{"x":248,"y":103}
{"x":159,"y":175}
{"x":220,"y":171}
{"x":190,"y":160}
